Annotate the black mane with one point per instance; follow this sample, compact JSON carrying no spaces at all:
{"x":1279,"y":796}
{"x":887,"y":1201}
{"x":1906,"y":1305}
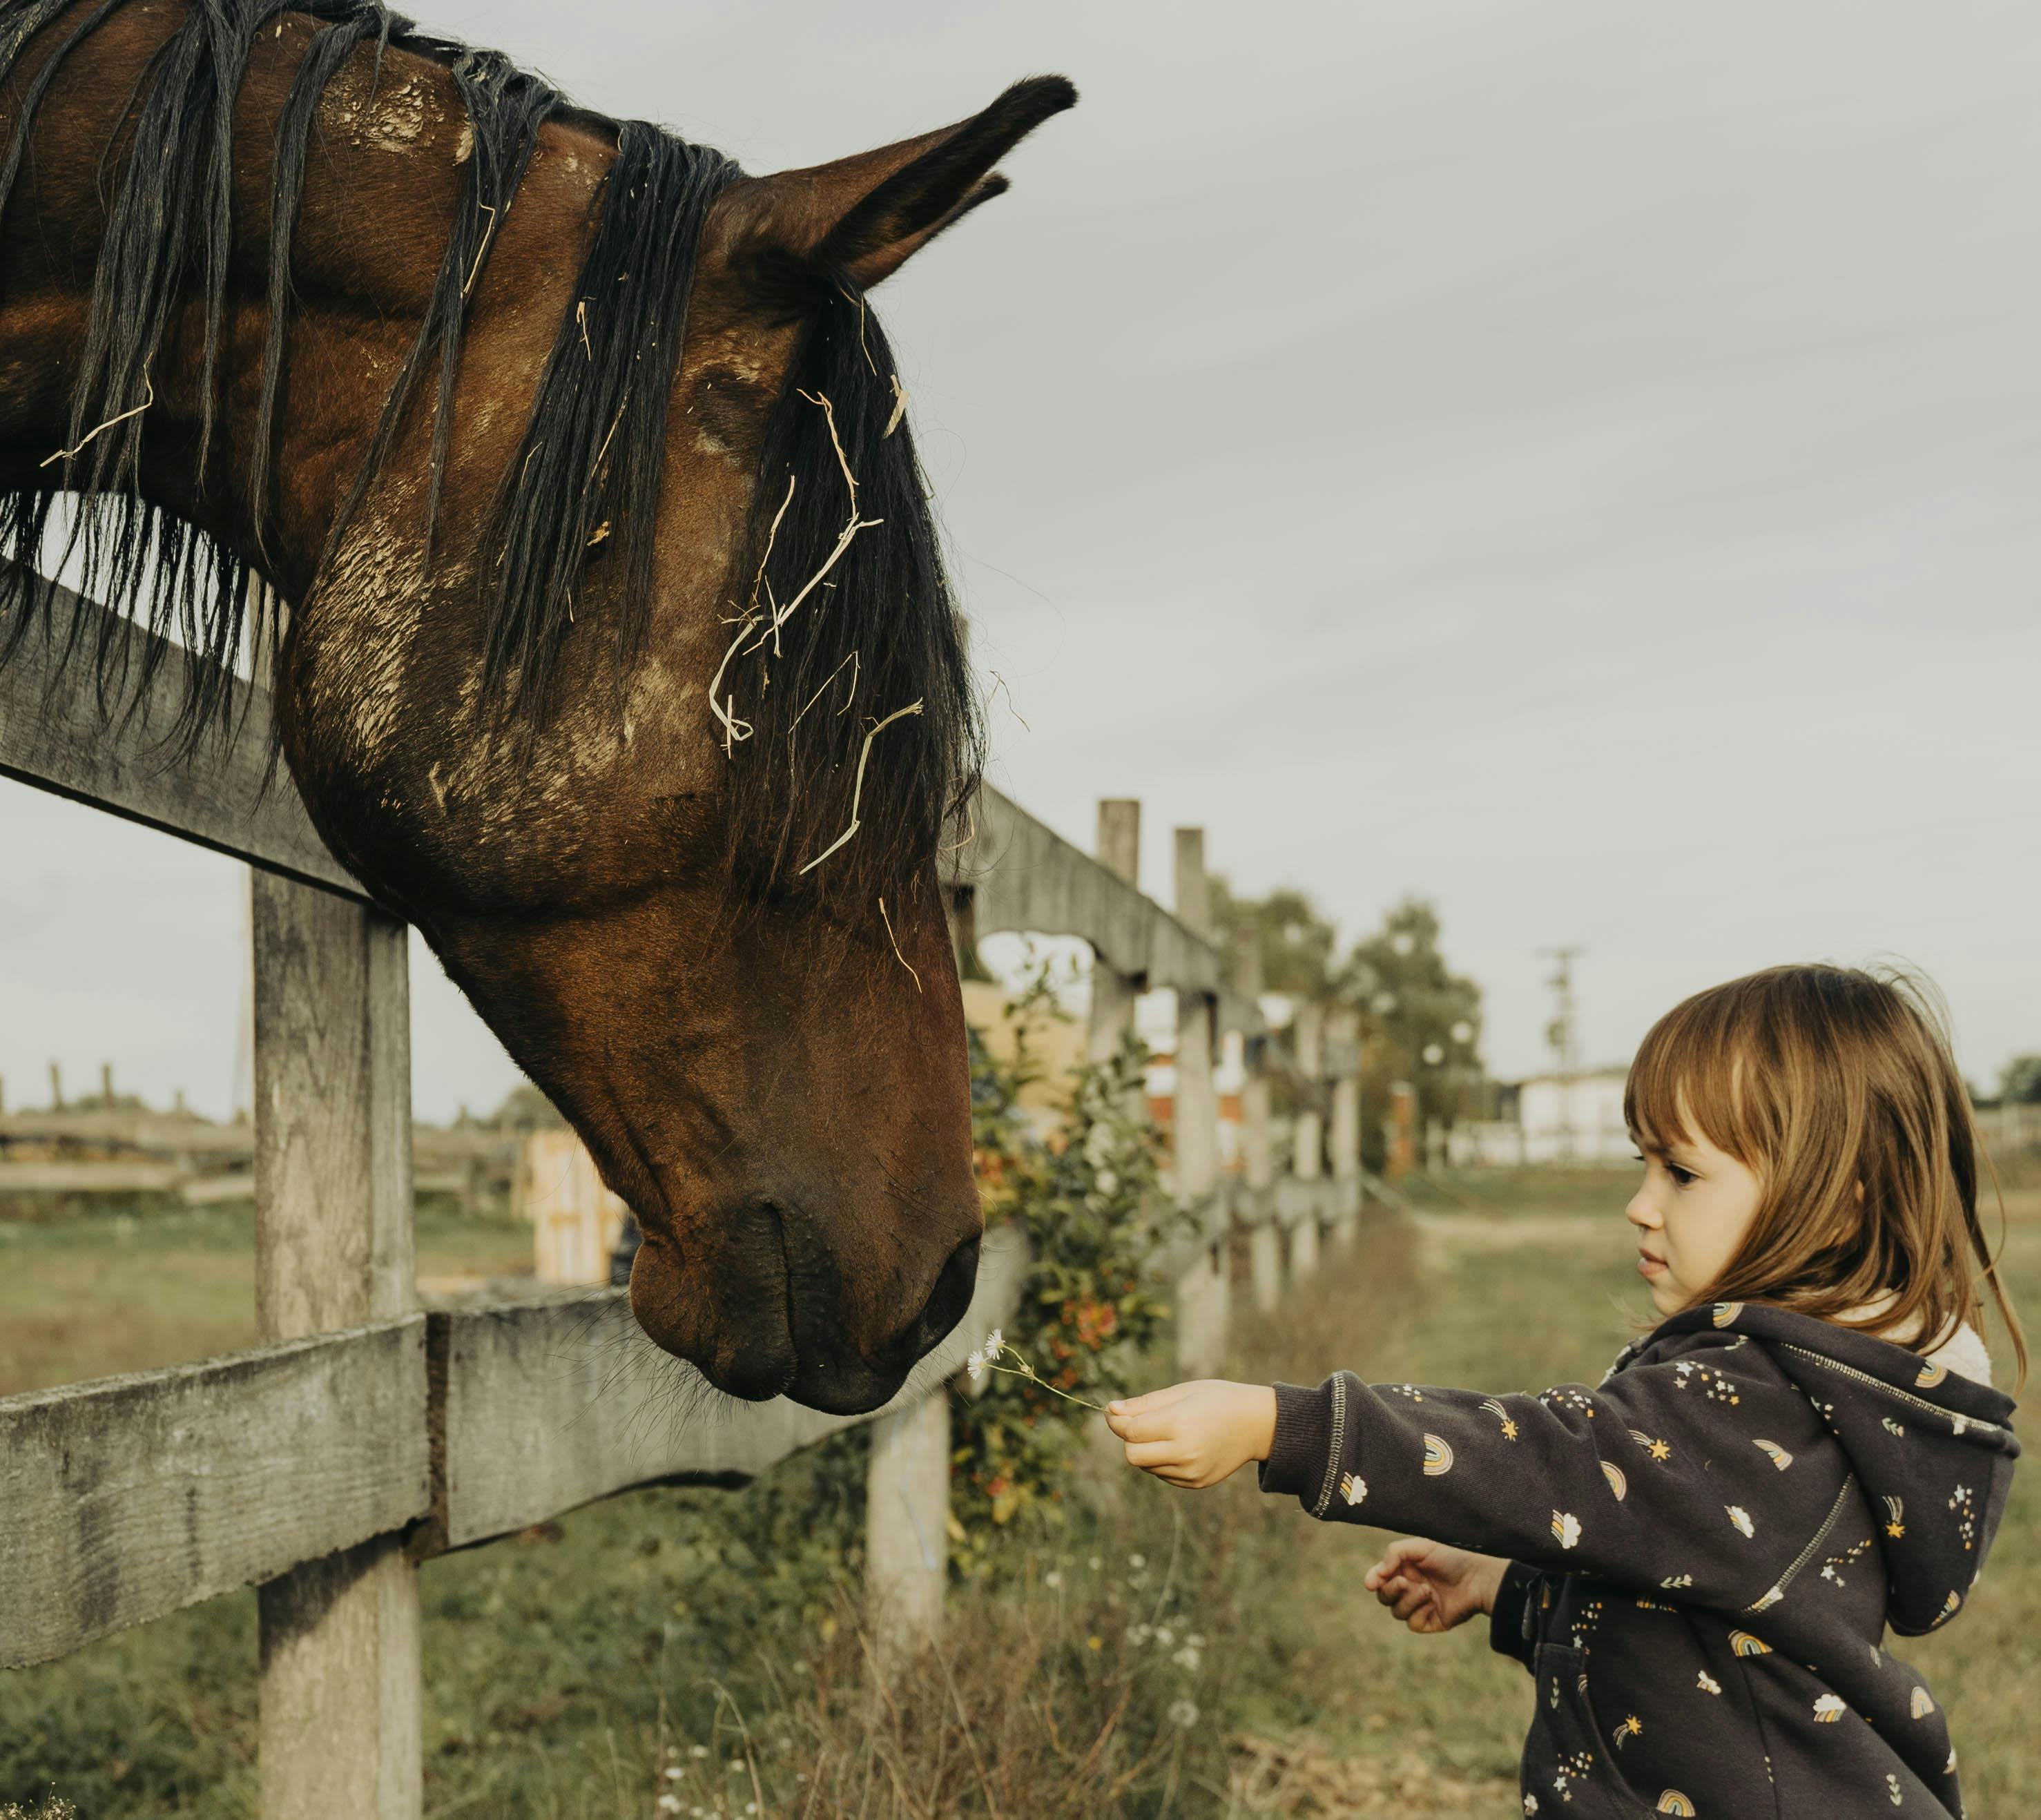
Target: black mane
{"x":568,"y":551}
{"x":874,"y":653}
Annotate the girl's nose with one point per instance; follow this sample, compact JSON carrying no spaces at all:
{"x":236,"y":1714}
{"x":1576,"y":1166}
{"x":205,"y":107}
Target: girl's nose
{"x":1641,"y":1213}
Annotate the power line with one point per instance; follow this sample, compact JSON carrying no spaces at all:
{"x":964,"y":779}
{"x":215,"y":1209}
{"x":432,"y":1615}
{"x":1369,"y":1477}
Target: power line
{"x":1560,"y":1037}
{"x":1559,"y":1032}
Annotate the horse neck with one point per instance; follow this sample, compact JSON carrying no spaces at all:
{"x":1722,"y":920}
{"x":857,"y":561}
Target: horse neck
{"x":383,"y":182}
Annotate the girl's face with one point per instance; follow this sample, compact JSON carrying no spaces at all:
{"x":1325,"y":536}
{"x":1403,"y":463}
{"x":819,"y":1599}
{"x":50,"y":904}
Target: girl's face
{"x":1691,"y":1215}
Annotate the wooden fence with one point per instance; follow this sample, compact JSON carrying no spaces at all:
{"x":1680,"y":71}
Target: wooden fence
{"x":368,"y":1433}
{"x":2011,"y":1129}
{"x":137,"y":1150}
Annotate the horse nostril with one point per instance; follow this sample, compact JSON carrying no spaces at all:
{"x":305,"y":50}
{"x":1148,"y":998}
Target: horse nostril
{"x":950,"y":1297}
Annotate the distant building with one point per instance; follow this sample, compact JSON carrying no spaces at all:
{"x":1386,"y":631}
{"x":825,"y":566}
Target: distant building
{"x":1574,"y":1118}
{"x":1155,"y":1024}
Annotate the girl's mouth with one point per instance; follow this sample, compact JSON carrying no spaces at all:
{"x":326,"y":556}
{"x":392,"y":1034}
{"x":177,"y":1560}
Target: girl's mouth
{"x":1647,"y":1266}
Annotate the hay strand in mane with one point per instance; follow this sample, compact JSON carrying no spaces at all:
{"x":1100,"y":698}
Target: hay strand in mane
{"x":857,"y":785}
{"x":885,"y":610}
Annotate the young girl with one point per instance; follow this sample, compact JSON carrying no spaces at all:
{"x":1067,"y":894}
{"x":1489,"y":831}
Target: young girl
{"x":1698,"y":1560}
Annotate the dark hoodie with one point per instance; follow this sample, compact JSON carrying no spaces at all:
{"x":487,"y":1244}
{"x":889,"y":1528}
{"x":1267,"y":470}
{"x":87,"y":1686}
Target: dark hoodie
{"x":1705,"y":1554}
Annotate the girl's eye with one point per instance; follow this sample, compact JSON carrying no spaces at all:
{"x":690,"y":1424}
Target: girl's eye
{"x":1680,"y":1177}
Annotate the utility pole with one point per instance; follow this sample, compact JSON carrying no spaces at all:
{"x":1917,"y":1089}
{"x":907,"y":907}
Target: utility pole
{"x":1559,"y":1037}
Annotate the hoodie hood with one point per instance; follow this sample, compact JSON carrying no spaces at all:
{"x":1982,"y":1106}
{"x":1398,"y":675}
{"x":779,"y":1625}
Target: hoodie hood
{"x":1932,"y":1450}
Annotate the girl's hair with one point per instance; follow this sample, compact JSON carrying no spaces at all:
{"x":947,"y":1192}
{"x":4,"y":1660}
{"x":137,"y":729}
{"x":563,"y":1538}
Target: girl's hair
{"x":1837,"y":1088}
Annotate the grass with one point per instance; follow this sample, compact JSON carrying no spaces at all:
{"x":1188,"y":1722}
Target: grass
{"x":696,"y":1644}
{"x":1514,"y":1193}
{"x":119,"y":1290}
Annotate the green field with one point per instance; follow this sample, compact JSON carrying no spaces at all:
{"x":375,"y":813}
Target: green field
{"x":710,"y":1635}
{"x":121,"y":1290}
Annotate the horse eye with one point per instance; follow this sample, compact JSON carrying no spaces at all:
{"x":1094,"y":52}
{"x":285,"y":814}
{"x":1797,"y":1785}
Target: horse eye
{"x":730,"y":406}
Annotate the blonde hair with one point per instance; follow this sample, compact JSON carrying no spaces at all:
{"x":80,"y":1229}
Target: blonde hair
{"x":1837,"y":1088}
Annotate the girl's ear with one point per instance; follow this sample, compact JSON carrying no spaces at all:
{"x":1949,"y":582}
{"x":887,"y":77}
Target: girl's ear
{"x":861,"y":218}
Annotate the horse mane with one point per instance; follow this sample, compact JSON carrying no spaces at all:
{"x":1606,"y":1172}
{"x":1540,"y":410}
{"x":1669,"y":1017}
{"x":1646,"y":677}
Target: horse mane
{"x":876,"y":642}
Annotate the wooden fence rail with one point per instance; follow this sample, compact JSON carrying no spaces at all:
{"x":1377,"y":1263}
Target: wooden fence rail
{"x":368,"y":1434}
{"x":130,"y":1497}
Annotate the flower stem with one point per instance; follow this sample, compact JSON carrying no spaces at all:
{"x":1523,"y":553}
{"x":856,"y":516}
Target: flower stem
{"x":1027,"y":1372}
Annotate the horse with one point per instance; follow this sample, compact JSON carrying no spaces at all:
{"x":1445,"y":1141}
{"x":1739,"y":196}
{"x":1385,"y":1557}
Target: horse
{"x":557,"y":475}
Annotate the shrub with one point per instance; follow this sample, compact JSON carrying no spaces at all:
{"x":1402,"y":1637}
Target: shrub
{"x":1086,"y":1193}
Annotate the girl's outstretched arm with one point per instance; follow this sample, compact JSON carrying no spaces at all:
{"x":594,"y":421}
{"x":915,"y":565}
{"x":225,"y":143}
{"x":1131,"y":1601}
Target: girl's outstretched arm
{"x":1672,"y":1475}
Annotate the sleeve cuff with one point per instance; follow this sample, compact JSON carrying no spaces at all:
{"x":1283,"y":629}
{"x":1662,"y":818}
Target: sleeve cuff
{"x":1509,"y":1627}
{"x":1302,"y":1442}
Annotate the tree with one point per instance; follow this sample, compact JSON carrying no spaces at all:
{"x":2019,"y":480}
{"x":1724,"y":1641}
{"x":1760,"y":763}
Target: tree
{"x":1294,"y":942}
{"x":1420,"y":1022}
{"x":2020,"y":1083}
{"x":525,"y":1107}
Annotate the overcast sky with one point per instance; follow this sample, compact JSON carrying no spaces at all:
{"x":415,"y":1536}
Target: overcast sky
{"x":1578,"y":463}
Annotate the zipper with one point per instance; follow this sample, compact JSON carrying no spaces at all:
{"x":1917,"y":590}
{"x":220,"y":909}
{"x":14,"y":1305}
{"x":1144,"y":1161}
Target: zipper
{"x":1807,"y":1553}
{"x":1891,"y":1391}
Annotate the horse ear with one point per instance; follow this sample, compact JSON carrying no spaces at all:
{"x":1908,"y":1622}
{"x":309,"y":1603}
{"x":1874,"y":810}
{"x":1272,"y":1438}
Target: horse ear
{"x":863,"y":216}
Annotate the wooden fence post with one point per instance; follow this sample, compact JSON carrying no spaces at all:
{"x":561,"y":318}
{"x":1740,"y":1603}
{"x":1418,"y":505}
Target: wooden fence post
{"x":1304,"y":1245}
{"x":576,"y":1221}
{"x":1202,"y":1289}
{"x":1307,"y":1033}
{"x":1401,"y":1130}
{"x":1307,"y":1162}
{"x":1112,"y":996}
{"x":1257,"y":1161}
{"x":1343,"y":1036}
{"x":906,"y":1526}
{"x":341,"y":1719}
{"x":1265,"y":1238}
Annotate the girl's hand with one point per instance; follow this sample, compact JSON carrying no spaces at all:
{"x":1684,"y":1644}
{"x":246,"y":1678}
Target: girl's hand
{"x":1194,"y":1435}
{"x":1431,"y":1587}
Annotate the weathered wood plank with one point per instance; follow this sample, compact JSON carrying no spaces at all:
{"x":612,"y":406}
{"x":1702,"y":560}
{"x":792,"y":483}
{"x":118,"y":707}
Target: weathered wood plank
{"x":907,"y":1528}
{"x":91,"y":1177}
{"x":164,"y":1133}
{"x":1118,"y":850}
{"x":130,"y":1497}
{"x":1297,"y":1199}
{"x":1025,"y":876}
{"x":333,"y":1111}
{"x":551,"y":1404}
{"x":137,"y":1495}
{"x":53,"y":735}
{"x":340,"y":1735}
{"x":179,"y":1136}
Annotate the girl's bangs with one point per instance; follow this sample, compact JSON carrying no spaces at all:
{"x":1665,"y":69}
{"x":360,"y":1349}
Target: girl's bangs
{"x":1685,"y":1082}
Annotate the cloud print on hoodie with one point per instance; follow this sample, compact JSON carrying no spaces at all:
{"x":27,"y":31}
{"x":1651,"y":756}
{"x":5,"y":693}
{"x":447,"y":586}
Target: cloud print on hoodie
{"x":1706,"y":1551}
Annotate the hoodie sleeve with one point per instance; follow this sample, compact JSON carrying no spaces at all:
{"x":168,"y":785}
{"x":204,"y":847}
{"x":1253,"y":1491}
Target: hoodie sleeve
{"x":1705,"y":1475}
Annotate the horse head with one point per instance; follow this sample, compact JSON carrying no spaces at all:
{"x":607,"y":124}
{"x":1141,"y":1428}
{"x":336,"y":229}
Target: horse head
{"x":621,"y":659}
